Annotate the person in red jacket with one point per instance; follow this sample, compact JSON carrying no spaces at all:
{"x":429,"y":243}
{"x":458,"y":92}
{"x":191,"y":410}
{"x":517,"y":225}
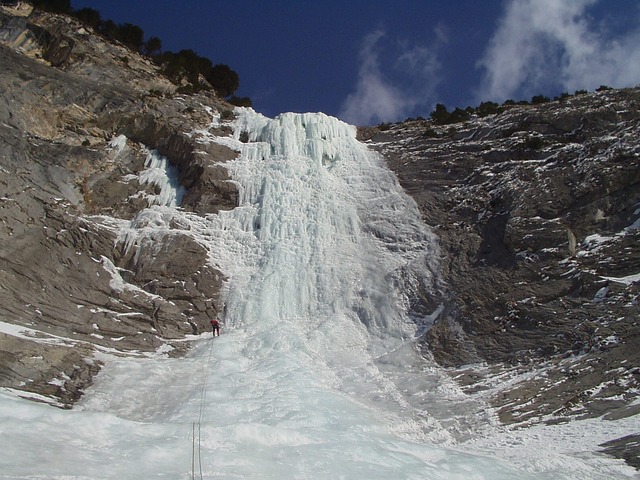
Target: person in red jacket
{"x":215,"y":327}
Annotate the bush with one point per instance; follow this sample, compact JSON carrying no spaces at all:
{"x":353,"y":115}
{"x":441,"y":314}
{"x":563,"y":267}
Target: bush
{"x":55,"y":6}
{"x":538,"y":99}
{"x":109,"y":29}
{"x":440,"y":114}
{"x":131,"y":35}
{"x":223,"y":80}
{"x":152,"y":46}
{"x":187,"y":64}
{"x":89,"y":17}
{"x":430,"y":133}
{"x":534,"y":143}
{"x":459,"y":115}
{"x":442,"y":117}
{"x":488,"y":108}
{"x":241,"y":101}
{"x":183,"y":64}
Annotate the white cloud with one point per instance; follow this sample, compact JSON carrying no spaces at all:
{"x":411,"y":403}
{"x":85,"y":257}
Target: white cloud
{"x":545,"y":44}
{"x":411,"y":76}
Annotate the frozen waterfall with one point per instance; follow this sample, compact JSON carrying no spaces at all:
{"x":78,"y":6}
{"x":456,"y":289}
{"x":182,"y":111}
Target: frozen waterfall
{"x":315,"y":375}
{"x":328,"y":236}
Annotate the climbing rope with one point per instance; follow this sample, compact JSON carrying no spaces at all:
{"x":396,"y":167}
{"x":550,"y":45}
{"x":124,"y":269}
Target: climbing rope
{"x":196,"y":439}
{"x":193,"y":451}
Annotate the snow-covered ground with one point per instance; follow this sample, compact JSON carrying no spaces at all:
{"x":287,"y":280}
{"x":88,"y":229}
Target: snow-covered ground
{"x":315,"y":375}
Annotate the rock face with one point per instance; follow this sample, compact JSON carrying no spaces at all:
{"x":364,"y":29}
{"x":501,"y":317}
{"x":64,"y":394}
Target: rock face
{"x":537,"y":210}
{"x":68,"y":279}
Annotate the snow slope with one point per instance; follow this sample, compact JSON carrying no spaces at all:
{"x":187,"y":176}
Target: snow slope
{"x":315,"y":375}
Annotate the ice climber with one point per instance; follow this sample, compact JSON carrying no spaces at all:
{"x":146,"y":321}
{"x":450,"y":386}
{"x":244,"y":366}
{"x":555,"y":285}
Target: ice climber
{"x":215,"y":327}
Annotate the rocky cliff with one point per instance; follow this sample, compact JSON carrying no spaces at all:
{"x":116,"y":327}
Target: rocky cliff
{"x":537,"y":211}
{"x":538,"y":214}
{"x":79,"y":118}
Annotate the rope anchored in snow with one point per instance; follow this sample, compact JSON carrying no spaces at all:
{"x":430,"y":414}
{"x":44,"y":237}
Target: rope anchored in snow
{"x":196,"y":448}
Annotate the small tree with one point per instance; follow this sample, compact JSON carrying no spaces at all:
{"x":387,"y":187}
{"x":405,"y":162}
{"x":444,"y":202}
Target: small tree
{"x":152,"y":46}
{"x":131,"y":35}
{"x":223,"y":80}
{"x":109,"y":29}
{"x":240,"y":101}
{"x":537,"y":99}
{"x":488,"y":108}
{"x":89,"y":17}
{"x":459,"y":115}
{"x":55,"y":6}
{"x":440,"y":114}
{"x":179,"y":65}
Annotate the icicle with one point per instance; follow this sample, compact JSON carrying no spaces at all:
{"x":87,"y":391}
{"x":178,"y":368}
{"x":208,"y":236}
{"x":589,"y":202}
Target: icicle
{"x":158,"y":171}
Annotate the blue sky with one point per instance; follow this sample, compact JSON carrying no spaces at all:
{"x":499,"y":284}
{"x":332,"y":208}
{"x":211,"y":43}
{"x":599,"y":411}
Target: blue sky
{"x":371,"y":61}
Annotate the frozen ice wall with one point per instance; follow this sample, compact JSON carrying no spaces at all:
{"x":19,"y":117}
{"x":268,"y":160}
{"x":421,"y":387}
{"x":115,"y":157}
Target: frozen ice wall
{"x":332,"y":232}
{"x":321,"y":253}
{"x":314,"y":372}
{"x":159,"y":172}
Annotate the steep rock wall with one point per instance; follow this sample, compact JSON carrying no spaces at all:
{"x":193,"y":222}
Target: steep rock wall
{"x":537,"y":213}
{"x":67,"y":277}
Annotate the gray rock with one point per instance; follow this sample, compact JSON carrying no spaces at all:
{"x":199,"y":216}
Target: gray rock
{"x":530,"y":233}
{"x":65,"y":277}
